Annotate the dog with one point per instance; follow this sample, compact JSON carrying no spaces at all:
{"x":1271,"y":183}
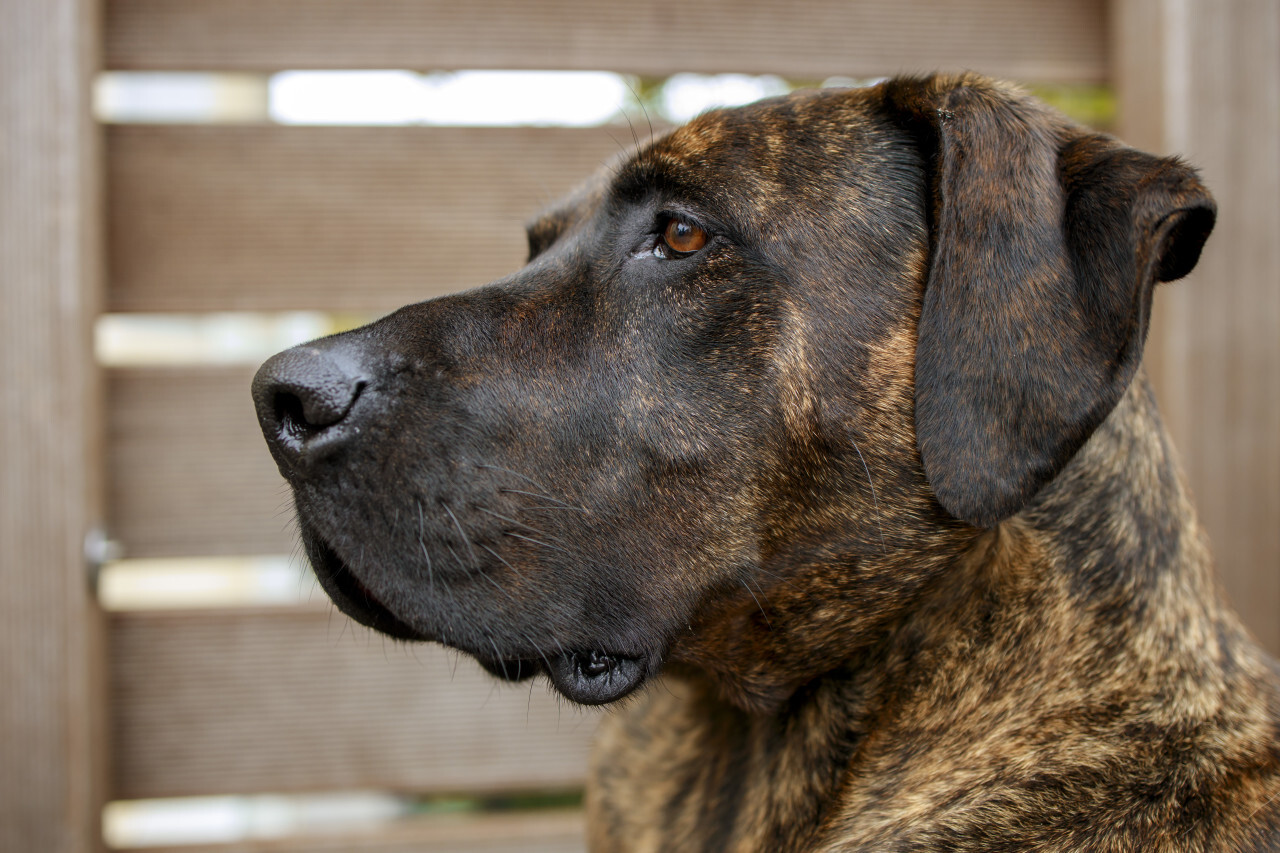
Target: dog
{"x":814,"y":436}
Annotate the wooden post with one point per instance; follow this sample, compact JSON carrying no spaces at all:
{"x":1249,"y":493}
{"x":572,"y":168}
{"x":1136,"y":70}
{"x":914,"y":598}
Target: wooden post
{"x":1201,"y":79}
{"x":51,"y":634}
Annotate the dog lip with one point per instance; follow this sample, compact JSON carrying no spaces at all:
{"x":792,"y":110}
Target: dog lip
{"x":595,"y":677}
{"x":588,"y":677}
{"x":349,"y":593}
{"x":511,"y":669}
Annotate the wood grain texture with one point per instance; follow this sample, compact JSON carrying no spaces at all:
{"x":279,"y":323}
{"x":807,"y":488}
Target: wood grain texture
{"x":301,"y":699}
{"x":189,"y":473}
{"x":51,"y":709}
{"x":1202,"y":80}
{"x":555,"y":832}
{"x":285,"y":218}
{"x":1058,"y":40}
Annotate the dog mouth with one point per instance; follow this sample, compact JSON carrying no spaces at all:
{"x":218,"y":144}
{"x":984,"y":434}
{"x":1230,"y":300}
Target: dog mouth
{"x":588,"y":677}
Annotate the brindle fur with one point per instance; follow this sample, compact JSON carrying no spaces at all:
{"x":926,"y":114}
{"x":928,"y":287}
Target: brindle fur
{"x":872,"y":487}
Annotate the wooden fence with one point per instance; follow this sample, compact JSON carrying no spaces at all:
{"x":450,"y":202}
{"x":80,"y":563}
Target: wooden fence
{"x":147,"y":218}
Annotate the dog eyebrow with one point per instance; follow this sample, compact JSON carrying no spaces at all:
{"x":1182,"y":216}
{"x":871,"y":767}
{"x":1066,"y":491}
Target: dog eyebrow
{"x":634,"y":181}
{"x":643,"y":176}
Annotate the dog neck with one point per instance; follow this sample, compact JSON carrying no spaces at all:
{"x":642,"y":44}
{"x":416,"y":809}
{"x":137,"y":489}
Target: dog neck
{"x":1105,"y":573}
{"x":1086,"y":630}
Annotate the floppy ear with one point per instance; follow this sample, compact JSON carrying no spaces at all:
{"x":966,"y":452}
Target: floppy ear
{"x":1046,"y":243}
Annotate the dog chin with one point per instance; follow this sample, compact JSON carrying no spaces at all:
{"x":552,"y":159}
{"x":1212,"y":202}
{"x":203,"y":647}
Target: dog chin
{"x":588,"y":677}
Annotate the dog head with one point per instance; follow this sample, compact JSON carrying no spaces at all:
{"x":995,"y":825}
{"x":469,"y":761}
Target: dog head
{"x":759,"y":383}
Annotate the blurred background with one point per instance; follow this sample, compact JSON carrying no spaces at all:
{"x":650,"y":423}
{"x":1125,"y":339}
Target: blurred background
{"x":188,"y":186}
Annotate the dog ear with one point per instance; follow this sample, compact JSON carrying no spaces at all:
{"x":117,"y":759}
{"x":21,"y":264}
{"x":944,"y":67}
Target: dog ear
{"x":1046,"y":243}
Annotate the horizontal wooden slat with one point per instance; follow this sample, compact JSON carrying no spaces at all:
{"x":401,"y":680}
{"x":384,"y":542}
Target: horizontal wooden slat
{"x":282,"y":218}
{"x":556,"y":832}
{"x":279,"y":700}
{"x":1062,"y":40}
{"x":188,"y":471}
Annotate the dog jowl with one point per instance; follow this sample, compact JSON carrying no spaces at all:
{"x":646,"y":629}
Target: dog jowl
{"x":817,"y":428}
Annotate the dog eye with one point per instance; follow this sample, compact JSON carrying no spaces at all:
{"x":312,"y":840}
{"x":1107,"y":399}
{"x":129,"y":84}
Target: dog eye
{"x":682,"y":237}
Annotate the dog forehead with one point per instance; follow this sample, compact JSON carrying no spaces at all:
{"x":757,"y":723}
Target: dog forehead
{"x":809,"y":151}
{"x":771,"y":136}
{"x":771,"y":129}
{"x":751,"y":160}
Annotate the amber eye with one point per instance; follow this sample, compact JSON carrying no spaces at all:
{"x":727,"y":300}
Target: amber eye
{"x":684,"y":237}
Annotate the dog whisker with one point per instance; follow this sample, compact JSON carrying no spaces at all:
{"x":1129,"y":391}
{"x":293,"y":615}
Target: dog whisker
{"x":619,"y":143}
{"x":498,"y":658}
{"x":524,"y":477}
{"x":500,"y":559}
{"x":537,"y":650}
{"x":603,"y":517}
{"x":648,"y":120}
{"x":1271,"y":799}
{"x":785,"y":581}
{"x":515,"y":535}
{"x":422,"y":544}
{"x":478,"y":568}
{"x":528,"y":527}
{"x":554,"y":503}
{"x":542,"y":493}
{"x":509,"y":520}
{"x":465,"y":539}
{"x":519,"y":536}
{"x":875,"y":503}
{"x":493,"y":583}
{"x":452,"y":553}
{"x":747,"y":587}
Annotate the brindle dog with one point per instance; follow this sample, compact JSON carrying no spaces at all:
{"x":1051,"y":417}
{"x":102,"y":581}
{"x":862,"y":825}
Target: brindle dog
{"x":822,"y":419}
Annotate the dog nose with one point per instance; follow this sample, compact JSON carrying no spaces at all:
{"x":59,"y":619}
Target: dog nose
{"x":304,"y":396}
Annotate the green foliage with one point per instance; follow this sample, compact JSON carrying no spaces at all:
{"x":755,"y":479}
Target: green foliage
{"x":1094,"y":105}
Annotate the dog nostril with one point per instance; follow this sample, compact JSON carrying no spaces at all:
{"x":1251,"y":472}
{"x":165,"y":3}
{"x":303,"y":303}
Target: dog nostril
{"x":310,"y":409}
{"x":303,"y":415}
{"x":304,"y":395}
{"x":290,"y":416}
